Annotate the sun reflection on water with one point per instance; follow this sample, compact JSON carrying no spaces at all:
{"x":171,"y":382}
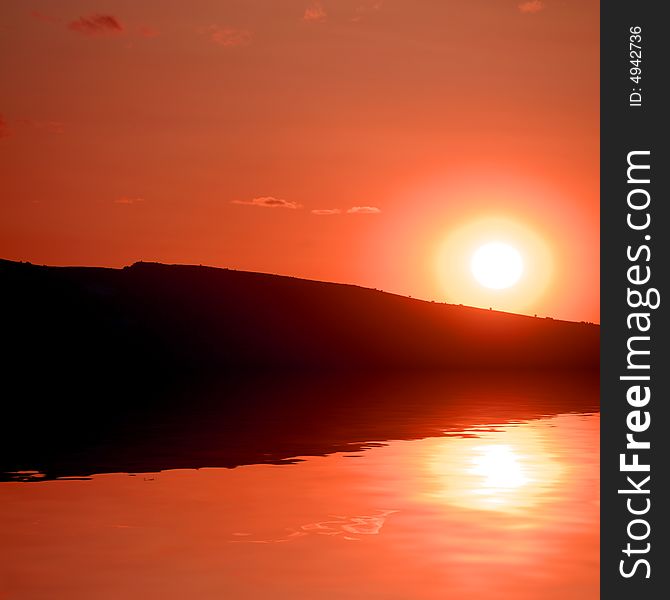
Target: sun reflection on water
{"x":501,"y":471}
{"x":508,"y":469}
{"x":496,"y":512}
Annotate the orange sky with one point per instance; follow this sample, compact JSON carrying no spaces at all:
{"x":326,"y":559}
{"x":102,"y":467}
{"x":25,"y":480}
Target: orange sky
{"x":209,"y":131}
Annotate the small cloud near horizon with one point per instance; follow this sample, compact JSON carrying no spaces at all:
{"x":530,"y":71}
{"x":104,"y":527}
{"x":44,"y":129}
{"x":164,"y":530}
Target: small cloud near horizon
{"x":314,"y":13}
{"x":268,"y":202}
{"x":228,"y":37}
{"x":326,"y":211}
{"x":96,"y":25}
{"x":364,"y":210}
{"x":531,"y":6}
{"x":127,"y":200}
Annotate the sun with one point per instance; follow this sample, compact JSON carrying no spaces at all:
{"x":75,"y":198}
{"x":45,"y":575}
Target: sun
{"x":495,"y":261}
{"x":496,"y":265}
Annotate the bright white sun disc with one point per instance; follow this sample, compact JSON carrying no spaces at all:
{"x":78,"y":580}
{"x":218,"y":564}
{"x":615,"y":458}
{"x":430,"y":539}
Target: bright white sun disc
{"x":496,"y":265}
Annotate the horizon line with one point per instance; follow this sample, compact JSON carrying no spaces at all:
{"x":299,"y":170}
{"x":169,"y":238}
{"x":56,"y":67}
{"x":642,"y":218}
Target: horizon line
{"x":373,"y":289}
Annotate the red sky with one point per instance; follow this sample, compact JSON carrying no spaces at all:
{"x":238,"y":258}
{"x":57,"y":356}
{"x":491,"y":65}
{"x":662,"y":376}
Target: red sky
{"x":209,"y":132}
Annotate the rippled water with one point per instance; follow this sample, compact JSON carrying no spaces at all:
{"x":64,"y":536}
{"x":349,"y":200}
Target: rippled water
{"x":495,"y":510}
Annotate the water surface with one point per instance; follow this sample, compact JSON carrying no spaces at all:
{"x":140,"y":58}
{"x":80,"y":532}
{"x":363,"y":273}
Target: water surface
{"x":498,"y":508}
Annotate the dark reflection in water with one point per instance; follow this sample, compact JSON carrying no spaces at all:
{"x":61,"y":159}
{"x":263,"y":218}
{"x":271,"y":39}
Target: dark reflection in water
{"x":271,"y":419}
{"x":469,"y":486}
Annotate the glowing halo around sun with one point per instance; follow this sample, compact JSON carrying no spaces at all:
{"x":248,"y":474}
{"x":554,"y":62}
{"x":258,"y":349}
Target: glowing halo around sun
{"x":495,"y":262}
{"x":496,"y":265}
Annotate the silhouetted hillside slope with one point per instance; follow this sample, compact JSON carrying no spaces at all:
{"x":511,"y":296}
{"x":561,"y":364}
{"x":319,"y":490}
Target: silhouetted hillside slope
{"x":158,"y":319}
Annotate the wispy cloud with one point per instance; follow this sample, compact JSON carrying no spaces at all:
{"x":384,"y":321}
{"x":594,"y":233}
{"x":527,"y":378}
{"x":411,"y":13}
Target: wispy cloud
{"x":326,"y":211}
{"x":314,"y":13}
{"x":227,"y":37}
{"x":354,"y":210}
{"x":128,"y":200}
{"x":531,"y":6}
{"x":364,"y":210}
{"x":96,"y":25}
{"x":269,"y":202}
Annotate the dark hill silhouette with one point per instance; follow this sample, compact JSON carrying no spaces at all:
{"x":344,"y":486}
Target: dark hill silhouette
{"x":155,"y":319}
{"x":153,"y":367}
